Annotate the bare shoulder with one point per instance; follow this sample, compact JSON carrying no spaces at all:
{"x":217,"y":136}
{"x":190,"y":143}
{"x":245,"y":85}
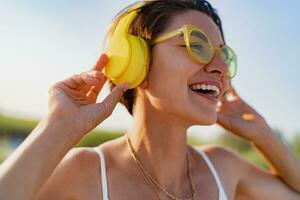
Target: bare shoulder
{"x":80,"y":155}
{"x":225,"y":160}
{"x":79,"y":165}
{"x":228,"y":158}
{"x":224,"y":156}
{"x":229,"y":166}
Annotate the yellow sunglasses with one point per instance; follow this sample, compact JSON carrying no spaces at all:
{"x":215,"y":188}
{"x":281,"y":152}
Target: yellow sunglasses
{"x":200,"y":48}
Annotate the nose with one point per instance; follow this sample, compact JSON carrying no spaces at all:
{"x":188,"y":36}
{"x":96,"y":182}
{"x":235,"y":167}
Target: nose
{"x":217,"y":66}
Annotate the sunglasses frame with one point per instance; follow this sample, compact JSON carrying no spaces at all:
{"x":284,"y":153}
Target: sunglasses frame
{"x":187,"y":30}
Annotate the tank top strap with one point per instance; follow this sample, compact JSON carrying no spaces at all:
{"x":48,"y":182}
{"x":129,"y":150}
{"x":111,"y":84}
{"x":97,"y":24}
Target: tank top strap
{"x":222,"y":195}
{"x":103,"y":174}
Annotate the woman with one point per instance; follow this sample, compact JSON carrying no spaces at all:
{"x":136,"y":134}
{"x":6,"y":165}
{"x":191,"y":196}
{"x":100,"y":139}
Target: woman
{"x":153,"y":161}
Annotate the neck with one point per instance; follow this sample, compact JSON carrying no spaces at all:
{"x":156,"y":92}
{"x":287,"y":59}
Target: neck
{"x":160,"y":142}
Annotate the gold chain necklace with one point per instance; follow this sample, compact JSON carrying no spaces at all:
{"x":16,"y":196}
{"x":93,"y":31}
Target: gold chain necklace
{"x":153,"y":184}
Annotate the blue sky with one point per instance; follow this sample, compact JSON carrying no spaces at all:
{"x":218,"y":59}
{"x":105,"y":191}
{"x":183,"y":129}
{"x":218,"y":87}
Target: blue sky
{"x":43,"y":42}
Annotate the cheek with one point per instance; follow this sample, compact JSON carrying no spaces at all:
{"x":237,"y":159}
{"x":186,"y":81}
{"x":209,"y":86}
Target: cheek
{"x":169,"y":71}
{"x":170,"y":62}
{"x":168,"y":86}
{"x":167,"y":79}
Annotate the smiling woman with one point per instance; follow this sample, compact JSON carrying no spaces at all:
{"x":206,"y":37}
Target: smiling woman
{"x":167,"y":61}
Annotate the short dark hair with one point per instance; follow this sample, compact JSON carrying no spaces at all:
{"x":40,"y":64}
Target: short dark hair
{"x":152,"y":20}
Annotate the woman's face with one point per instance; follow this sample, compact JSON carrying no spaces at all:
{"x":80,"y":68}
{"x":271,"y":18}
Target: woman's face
{"x":172,"y":72}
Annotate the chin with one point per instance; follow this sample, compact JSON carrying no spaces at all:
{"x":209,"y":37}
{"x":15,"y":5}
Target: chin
{"x":206,"y":120}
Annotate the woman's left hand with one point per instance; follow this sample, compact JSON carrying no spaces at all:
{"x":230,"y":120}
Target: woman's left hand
{"x":239,"y":118}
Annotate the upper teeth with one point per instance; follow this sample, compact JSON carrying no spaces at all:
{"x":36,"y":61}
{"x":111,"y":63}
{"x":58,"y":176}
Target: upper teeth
{"x":206,"y":87}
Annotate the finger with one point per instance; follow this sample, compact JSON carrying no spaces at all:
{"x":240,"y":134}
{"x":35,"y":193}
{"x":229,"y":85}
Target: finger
{"x":74,"y":94}
{"x":101,"y":63}
{"x":232,"y":90}
{"x":223,"y":97}
{"x":234,"y":93}
{"x":95,"y":90}
{"x":229,"y":95}
{"x":106,"y":107}
{"x":82,"y":81}
{"x":79,"y":80}
{"x":230,"y":98}
{"x":219,"y":106}
{"x":96,"y":113}
{"x":102,"y":79}
{"x":55,"y":90}
{"x":96,"y":74}
{"x":73,"y":81}
{"x":89,"y":79}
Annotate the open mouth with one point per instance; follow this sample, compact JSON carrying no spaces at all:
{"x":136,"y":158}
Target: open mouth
{"x":207,"y":90}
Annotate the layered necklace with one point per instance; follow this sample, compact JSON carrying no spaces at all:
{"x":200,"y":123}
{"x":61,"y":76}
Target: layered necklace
{"x":153,"y":184}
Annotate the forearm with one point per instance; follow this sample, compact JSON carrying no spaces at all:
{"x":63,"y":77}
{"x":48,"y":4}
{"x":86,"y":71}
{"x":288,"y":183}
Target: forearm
{"x":23,"y":174}
{"x":282,"y":161}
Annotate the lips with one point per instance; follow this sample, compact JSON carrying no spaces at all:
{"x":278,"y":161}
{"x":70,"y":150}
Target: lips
{"x":207,"y":96}
{"x":212,"y":83}
{"x":208,"y":82}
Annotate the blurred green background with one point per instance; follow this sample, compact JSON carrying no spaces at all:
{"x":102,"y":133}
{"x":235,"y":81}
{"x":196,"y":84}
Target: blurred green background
{"x":14,"y":130}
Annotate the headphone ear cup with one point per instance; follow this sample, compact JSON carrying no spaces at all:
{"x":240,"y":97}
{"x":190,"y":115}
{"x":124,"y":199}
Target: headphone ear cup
{"x":137,"y":68}
{"x":129,"y":54}
{"x":119,"y":52}
{"x":119,"y":48}
{"x":146,"y":59}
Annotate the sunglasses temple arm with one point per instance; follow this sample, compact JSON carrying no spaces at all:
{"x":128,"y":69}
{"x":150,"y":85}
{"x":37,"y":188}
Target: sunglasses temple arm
{"x":167,"y":36}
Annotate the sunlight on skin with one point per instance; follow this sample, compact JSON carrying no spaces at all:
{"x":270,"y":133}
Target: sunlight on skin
{"x":231,"y":97}
{"x":248,"y":117}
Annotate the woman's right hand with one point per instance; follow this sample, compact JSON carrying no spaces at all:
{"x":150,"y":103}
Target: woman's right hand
{"x":73,"y":100}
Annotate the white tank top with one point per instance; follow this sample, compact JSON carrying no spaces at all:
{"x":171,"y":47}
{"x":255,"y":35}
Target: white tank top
{"x":222,"y":195}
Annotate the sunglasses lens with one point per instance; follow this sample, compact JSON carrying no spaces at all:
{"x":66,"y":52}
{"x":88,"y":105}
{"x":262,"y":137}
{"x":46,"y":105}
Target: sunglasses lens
{"x":230,"y":60}
{"x":202,"y":50}
{"x":200,"y":47}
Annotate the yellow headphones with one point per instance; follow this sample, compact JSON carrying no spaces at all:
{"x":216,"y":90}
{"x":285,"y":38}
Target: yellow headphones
{"x":129,"y":54}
